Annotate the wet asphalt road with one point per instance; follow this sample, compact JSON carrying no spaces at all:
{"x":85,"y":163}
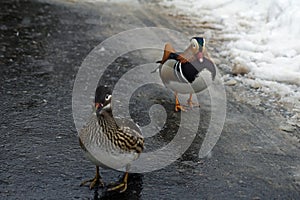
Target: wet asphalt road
{"x":42,"y":47}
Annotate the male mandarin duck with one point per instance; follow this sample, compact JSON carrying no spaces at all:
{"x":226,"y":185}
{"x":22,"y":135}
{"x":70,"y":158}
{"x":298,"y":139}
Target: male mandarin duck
{"x":187,"y":72}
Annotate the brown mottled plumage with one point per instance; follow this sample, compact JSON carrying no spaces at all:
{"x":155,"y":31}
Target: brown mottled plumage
{"x":109,"y":142}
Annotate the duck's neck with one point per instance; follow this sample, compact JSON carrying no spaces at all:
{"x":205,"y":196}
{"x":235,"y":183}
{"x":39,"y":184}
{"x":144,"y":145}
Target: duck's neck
{"x":107,"y":122}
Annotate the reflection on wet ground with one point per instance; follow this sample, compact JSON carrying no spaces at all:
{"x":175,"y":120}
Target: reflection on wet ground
{"x":42,"y":47}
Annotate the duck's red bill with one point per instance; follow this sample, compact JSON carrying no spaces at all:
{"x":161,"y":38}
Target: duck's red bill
{"x":200,"y":56}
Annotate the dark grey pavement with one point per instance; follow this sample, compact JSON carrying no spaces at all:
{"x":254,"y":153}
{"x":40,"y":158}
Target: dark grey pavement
{"x":42,"y":47}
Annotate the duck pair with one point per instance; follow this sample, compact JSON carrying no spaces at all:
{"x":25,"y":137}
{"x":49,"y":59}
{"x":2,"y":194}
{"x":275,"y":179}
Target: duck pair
{"x":110,"y":142}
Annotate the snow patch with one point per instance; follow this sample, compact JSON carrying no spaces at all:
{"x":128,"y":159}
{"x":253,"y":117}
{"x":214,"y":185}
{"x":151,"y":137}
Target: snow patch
{"x":261,"y":35}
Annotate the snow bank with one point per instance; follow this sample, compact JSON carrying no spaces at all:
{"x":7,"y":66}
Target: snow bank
{"x":266,"y":33}
{"x":263,"y":36}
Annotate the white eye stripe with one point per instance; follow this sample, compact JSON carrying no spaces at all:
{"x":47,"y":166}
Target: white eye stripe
{"x":194,"y":44}
{"x":107,"y":97}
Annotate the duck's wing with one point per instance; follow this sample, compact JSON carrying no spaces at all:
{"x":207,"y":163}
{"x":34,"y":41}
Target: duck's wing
{"x":168,"y":50}
{"x":131,"y":135}
{"x":129,"y":127}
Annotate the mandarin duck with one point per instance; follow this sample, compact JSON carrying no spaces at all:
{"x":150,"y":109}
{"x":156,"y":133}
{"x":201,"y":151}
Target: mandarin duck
{"x":187,"y":72}
{"x":110,"y":142}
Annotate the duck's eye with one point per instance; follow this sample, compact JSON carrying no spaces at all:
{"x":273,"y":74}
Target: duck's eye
{"x":107,"y":97}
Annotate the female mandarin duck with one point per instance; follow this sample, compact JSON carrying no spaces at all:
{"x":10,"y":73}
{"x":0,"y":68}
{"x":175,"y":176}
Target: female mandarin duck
{"x":187,"y":72}
{"x":115,"y":141}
